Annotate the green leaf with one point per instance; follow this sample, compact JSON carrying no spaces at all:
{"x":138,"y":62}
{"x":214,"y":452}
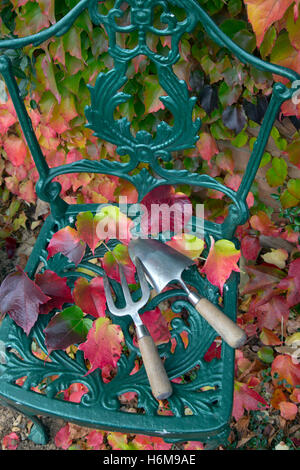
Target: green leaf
{"x":277,"y":173}
{"x":268,"y":42}
{"x":240,"y":140}
{"x":291,"y":196}
{"x":266,"y":158}
{"x":245,"y":39}
{"x":266,"y":354}
{"x":234,"y":7}
{"x":153,"y":91}
{"x":293,"y":151}
{"x":67,"y":327}
{"x":230,"y":27}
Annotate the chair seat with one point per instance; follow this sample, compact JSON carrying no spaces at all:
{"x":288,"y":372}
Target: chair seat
{"x":200,"y":406}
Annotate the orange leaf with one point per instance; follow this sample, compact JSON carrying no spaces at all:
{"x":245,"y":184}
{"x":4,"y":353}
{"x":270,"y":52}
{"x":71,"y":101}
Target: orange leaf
{"x":221,"y":261}
{"x":263,"y":224}
{"x":278,"y":397}
{"x":207,"y":146}
{"x":288,"y":410}
{"x":263,"y":13}
{"x":15,"y":149}
{"x":269,"y":338}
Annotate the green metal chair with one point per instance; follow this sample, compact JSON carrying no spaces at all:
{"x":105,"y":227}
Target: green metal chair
{"x":209,"y":396}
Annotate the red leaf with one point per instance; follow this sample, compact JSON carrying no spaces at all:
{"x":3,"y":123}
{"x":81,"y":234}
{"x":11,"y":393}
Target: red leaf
{"x":75,"y":392}
{"x":165,"y":210}
{"x":55,"y":287}
{"x":261,"y":277}
{"x":207,"y":146}
{"x":10,"y":441}
{"x":90,"y":297}
{"x":62,"y":438}
{"x":20,"y":297}
{"x":291,"y":283}
{"x":103,"y":345}
{"x":221,"y":261}
{"x":245,"y":398}
{"x":67,"y":242}
{"x":86,"y":225}
{"x":157,"y":326}
{"x":250,"y":247}
{"x":119,"y":255}
{"x":95,"y":440}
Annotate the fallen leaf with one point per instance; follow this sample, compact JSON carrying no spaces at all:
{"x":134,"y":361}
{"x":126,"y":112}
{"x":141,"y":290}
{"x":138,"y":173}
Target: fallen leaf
{"x":221,"y":261}
{"x":103,"y":345}
{"x":21,"y":298}
{"x":276,"y":257}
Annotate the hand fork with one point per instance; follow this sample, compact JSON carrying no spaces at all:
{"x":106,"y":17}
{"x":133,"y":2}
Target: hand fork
{"x":159,"y":381}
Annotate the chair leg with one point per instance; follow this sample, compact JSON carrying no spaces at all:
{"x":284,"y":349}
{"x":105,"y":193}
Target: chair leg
{"x":38,"y":434}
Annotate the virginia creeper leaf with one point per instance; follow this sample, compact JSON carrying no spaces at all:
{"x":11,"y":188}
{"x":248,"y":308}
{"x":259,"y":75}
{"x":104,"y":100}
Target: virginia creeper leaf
{"x":67,"y":242}
{"x":10,"y":441}
{"x":21,"y":298}
{"x":66,"y":328}
{"x":207,"y":146}
{"x":157,"y":326}
{"x":221,"y":261}
{"x":103,"y":345}
{"x":112,"y":223}
{"x":165,"y":210}
{"x":89,"y":296}
{"x":119,"y":255}
{"x":273,"y":312}
{"x":250,"y":247}
{"x":269,"y":338}
{"x":285,"y":371}
{"x":187,"y":244}
{"x":290,"y":285}
{"x":263,"y":13}
{"x":263,"y":224}
{"x":245,"y":398}
{"x":288,"y":410}
{"x":277,"y":173}
{"x":86,"y":225}
{"x":15,"y":149}
{"x":277,"y":257}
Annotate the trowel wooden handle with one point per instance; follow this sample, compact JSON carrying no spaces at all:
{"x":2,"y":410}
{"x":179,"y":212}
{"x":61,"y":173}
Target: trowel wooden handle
{"x":160,"y":384}
{"x":227,"y":329}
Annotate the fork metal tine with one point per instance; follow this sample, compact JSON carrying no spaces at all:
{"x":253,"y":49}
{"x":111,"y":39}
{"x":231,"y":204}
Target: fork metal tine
{"x":124,"y":285}
{"x":142,"y":280}
{"x":108,"y":295}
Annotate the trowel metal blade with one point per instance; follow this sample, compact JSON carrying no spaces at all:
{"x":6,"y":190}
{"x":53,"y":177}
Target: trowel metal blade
{"x":161,"y":263}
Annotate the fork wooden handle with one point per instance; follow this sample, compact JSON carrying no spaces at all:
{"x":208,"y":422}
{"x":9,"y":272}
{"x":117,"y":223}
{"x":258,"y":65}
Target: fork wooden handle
{"x":159,"y":382}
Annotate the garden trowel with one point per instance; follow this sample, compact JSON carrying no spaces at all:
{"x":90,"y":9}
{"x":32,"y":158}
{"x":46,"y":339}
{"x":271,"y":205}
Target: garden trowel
{"x":163,"y":264}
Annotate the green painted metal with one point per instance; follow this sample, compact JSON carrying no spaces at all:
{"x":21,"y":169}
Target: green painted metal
{"x":197,"y":415}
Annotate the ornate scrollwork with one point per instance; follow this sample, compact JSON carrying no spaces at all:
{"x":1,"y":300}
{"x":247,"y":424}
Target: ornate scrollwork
{"x":142,"y":16}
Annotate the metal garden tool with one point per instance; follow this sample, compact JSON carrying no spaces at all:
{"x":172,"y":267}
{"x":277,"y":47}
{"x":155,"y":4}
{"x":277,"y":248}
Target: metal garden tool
{"x":159,"y":381}
{"x":163,"y":264}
